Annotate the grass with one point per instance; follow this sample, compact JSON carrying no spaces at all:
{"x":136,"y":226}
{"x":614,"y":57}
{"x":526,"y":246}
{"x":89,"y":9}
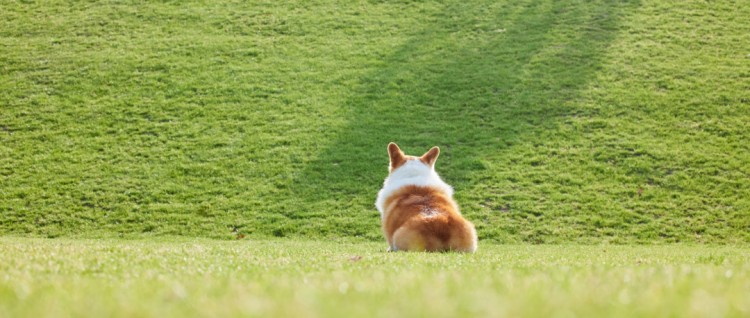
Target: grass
{"x":283,"y":278}
{"x":559,"y":121}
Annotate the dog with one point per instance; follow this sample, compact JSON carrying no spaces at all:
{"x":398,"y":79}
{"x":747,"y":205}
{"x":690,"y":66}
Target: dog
{"x":417,"y":209}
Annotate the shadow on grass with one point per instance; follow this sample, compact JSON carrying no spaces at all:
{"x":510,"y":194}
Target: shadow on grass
{"x":475,"y":82}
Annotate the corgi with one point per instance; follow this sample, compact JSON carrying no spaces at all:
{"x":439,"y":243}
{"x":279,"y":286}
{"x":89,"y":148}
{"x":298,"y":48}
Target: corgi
{"x":417,"y":209}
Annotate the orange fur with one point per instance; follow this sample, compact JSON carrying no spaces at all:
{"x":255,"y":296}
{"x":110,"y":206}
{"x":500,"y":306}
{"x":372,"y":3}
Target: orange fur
{"x":424,"y":217}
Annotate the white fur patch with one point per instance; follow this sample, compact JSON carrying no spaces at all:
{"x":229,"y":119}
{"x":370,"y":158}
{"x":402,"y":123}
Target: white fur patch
{"x":413,"y":172}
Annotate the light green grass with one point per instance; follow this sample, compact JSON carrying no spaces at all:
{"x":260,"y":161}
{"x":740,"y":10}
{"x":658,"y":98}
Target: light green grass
{"x":559,"y":121}
{"x":187,"y":278}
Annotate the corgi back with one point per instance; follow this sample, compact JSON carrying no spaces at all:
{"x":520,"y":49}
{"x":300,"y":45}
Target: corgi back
{"x":417,"y":209}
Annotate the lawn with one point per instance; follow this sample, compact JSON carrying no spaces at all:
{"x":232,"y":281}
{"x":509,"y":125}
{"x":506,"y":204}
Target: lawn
{"x":222,"y":158}
{"x":178,"y":277}
{"x":559,"y":121}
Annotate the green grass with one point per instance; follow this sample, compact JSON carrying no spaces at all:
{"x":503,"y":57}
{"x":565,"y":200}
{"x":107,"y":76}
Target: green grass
{"x":559,"y":121}
{"x":289,"y":278}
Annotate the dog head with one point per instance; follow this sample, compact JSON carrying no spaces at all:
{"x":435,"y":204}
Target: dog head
{"x":398,"y":158}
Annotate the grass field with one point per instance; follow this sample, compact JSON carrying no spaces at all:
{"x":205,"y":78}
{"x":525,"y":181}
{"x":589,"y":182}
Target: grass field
{"x":222,"y":158}
{"x":289,"y":278}
{"x":559,"y":121}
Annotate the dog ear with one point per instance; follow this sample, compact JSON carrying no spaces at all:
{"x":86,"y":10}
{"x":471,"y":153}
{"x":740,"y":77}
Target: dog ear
{"x":396,"y":155}
{"x":431,"y":156}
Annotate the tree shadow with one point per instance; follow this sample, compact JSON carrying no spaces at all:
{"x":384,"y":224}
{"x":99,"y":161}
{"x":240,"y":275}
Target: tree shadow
{"x":475,"y":82}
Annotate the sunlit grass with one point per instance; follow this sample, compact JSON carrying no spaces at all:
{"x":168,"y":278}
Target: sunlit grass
{"x":181,"y":277}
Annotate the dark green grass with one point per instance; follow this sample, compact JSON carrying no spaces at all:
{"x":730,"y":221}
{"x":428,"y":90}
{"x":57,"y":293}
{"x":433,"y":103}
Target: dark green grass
{"x":559,"y":121}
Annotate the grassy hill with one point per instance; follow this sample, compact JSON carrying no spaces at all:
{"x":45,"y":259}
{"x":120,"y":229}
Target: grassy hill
{"x":559,"y":121}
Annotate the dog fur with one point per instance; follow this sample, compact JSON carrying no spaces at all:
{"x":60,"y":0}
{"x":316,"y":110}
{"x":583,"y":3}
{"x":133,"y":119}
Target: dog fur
{"x":417,"y":209}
